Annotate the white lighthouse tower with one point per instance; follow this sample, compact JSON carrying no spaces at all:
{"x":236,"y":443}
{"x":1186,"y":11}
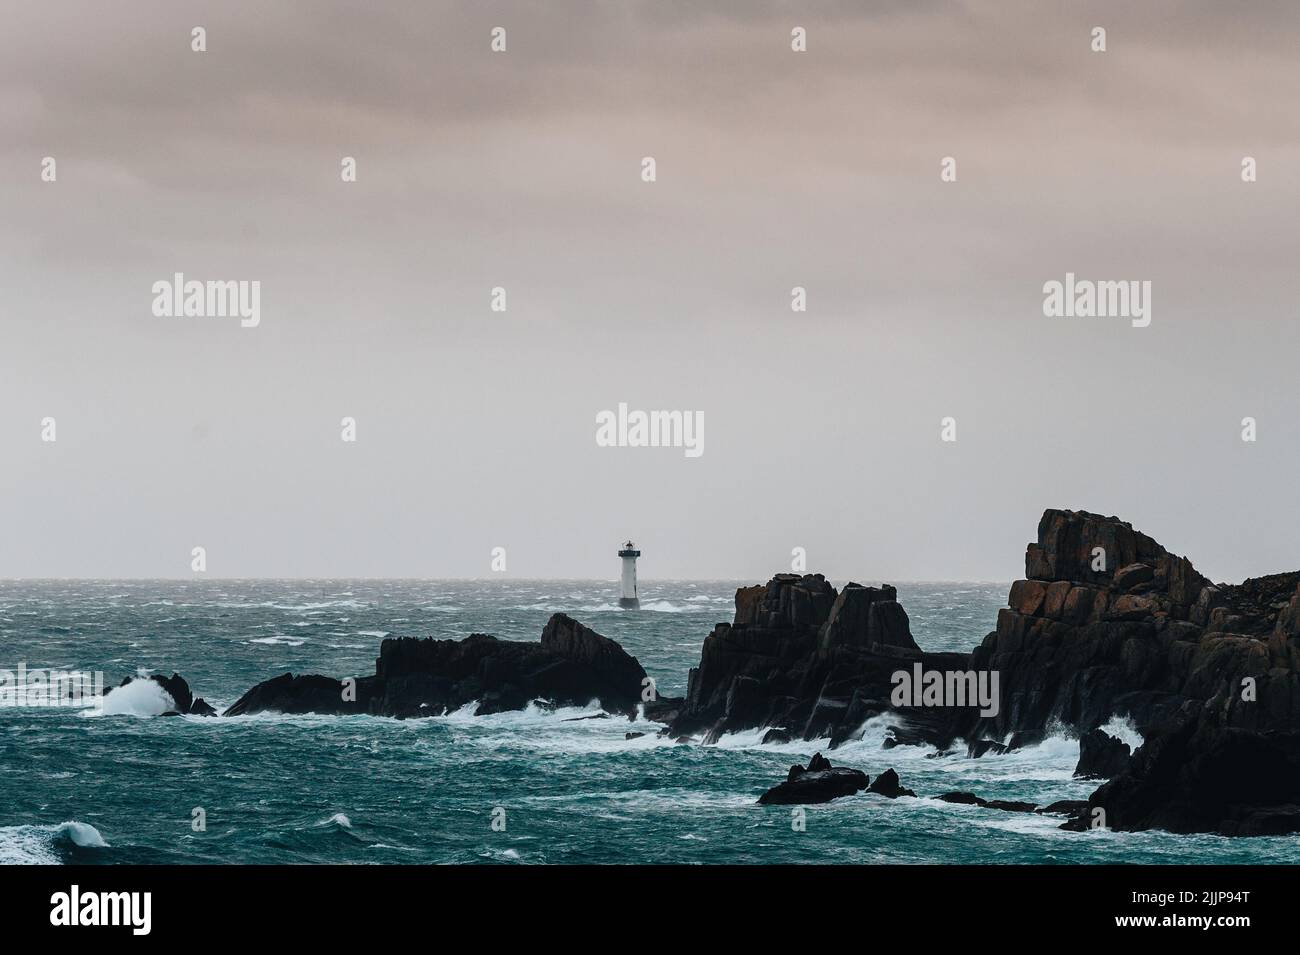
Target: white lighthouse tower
{"x":628,"y":600}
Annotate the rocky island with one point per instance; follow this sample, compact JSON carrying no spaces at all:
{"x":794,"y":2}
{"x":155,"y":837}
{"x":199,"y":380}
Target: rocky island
{"x":1107,"y":623}
{"x":571,"y":665}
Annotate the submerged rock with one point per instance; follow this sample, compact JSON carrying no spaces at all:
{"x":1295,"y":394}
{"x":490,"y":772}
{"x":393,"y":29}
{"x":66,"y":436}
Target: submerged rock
{"x":818,"y":782}
{"x":572,"y":665}
{"x":1011,"y":805}
{"x":1006,"y":805}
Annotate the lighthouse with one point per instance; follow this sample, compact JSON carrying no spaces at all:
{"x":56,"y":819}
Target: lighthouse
{"x":627,"y":600}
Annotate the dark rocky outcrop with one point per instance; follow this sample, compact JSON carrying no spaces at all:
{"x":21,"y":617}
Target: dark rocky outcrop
{"x":979,"y":747}
{"x":808,"y":661}
{"x":1106,"y":623}
{"x":963,"y":799}
{"x":887,"y":784}
{"x":1065,"y":807}
{"x":1209,"y":674}
{"x":572,"y":665}
{"x":183,"y":698}
{"x":818,"y":782}
{"x":1006,"y":805}
{"x":1101,"y":755}
{"x":1135,"y":634}
{"x":1011,"y":805}
{"x":1196,"y":774}
{"x":309,"y":693}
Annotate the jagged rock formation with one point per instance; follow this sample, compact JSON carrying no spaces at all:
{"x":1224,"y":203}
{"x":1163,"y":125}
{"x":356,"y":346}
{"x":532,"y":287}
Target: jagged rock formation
{"x":1209,"y":674}
{"x":571,"y":666}
{"x":819,"y":782}
{"x":809,"y":662}
{"x":1135,"y":633}
{"x":1106,"y":623}
{"x":888,"y":785}
{"x":1101,"y":755}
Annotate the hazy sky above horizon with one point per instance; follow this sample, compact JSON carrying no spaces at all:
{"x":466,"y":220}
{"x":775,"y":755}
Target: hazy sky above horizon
{"x":775,"y":169}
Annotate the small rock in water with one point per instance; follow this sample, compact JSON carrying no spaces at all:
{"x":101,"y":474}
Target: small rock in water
{"x":887,"y":784}
{"x":819,"y":782}
{"x":1006,"y":805}
{"x":964,"y":799}
{"x":1011,"y":805}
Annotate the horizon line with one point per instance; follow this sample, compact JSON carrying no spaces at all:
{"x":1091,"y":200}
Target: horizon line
{"x":613,"y":581}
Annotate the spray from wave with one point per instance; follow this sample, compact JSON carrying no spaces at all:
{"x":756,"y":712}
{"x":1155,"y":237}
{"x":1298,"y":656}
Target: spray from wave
{"x":48,"y":845}
{"x":647,"y":606}
{"x":140,"y":697}
{"x":1123,"y":728}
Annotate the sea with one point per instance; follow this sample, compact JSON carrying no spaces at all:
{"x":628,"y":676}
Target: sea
{"x":123,"y":784}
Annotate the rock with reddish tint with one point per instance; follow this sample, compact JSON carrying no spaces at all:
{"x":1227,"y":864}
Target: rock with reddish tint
{"x":811,"y":661}
{"x":1109,"y":623}
{"x":1126,"y":578}
{"x":1075,"y":646}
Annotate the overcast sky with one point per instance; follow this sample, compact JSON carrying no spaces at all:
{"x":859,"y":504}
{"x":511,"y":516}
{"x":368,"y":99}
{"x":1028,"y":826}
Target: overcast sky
{"x":776,"y":169}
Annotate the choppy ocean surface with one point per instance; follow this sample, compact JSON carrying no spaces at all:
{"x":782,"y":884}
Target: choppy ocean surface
{"x":124,"y":786}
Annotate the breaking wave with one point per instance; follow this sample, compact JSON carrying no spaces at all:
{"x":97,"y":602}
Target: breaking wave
{"x":47,"y":845}
{"x":140,"y":697}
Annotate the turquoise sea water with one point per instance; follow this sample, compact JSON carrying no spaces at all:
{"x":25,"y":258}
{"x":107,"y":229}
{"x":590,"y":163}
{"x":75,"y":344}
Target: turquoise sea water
{"x":278,"y":789}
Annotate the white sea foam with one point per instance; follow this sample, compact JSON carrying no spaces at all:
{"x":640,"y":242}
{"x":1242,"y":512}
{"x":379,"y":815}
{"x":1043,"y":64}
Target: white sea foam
{"x":1123,"y":728}
{"x":651,"y":606}
{"x":38,"y":845}
{"x":278,"y":639}
{"x":140,"y":697}
{"x":272,"y":605}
